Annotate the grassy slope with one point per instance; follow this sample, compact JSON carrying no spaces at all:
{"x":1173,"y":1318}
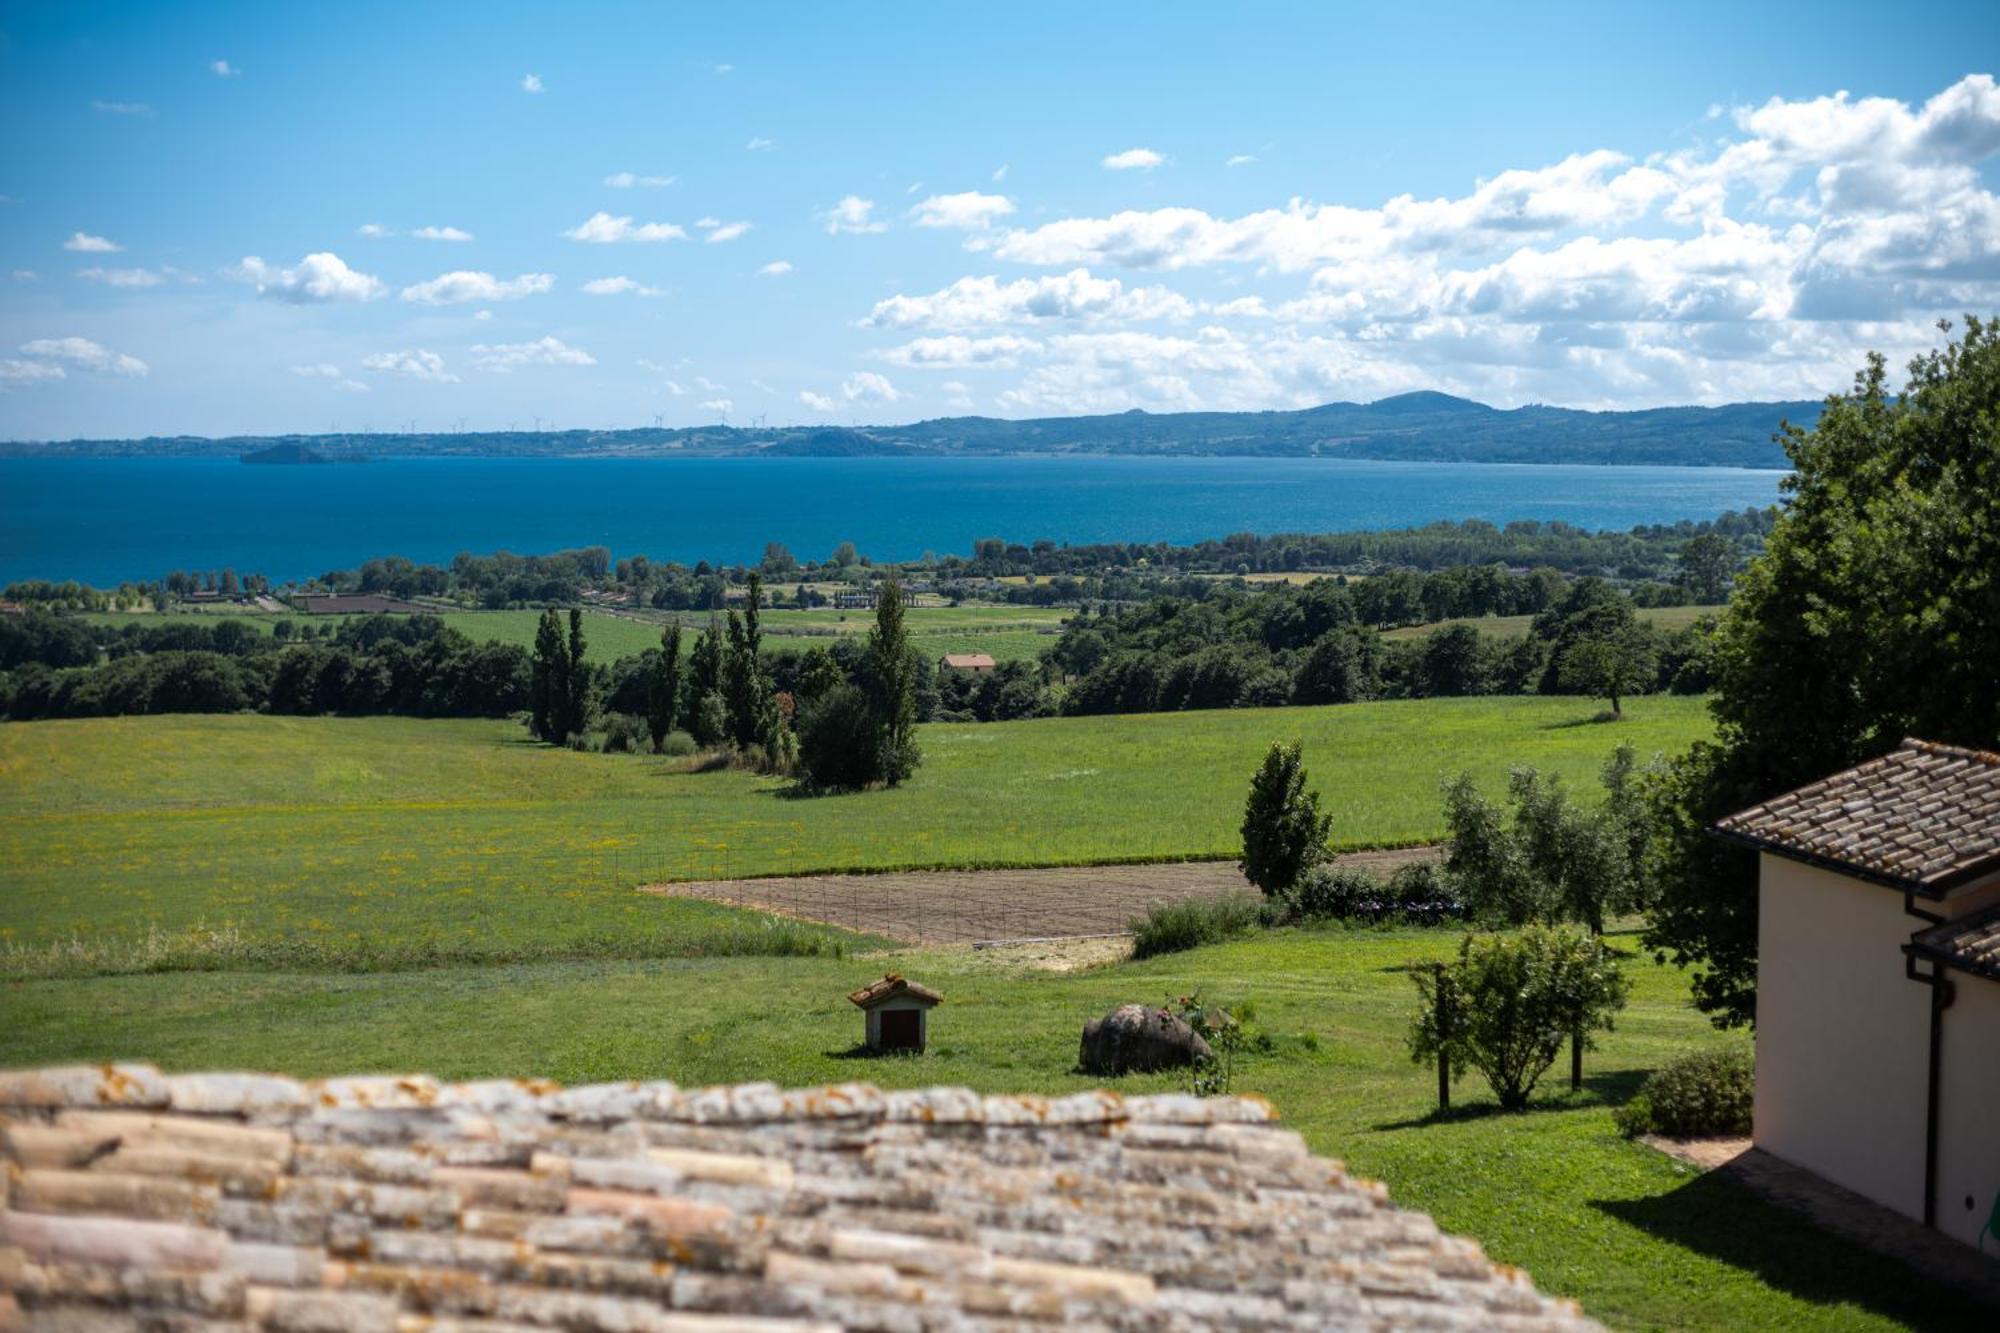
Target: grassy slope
{"x":465,"y":836}
{"x":1641,"y":1240}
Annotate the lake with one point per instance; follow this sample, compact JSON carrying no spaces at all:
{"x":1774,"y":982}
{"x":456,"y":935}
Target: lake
{"x":103,"y":520}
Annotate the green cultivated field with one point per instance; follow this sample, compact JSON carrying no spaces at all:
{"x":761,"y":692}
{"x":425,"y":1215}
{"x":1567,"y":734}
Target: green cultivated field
{"x":1007,"y":633}
{"x":390,"y":838}
{"x":1641,"y":1240}
{"x":1516,"y":627}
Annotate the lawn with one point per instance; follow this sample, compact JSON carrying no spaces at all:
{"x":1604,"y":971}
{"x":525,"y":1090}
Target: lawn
{"x":1641,"y":1240}
{"x":390,"y":838}
{"x":1516,"y":627}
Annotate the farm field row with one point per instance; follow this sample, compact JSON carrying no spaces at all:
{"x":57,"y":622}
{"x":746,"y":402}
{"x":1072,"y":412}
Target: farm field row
{"x":382,"y":835}
{"x":1640,"y":1239}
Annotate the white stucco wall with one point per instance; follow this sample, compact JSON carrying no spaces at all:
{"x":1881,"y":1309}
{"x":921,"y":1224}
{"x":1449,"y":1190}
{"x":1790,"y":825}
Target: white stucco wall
{"x":1843,"y":1046}
{"x":1843,"y":1037}
{"x":1969,"y":1110}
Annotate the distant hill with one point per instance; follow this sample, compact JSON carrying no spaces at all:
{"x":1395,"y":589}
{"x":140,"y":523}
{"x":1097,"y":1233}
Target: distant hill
{"x":1416,"y":427}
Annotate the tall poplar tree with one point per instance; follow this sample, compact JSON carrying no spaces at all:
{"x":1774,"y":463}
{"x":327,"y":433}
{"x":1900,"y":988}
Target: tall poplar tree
{"x":663,"y":698}
{"x":893,"y":675}
{"x":548,"y":679}
{"x":577,"y":680}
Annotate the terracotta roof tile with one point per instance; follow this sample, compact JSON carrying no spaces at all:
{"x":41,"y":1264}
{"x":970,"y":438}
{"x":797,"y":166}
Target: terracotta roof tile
{"x":406,"y":1203}
{"x":1924,"y":816}
{"x":1971,"y":944}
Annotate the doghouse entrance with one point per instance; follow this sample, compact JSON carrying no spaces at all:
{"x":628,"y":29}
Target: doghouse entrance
{"x":902,"y":1030}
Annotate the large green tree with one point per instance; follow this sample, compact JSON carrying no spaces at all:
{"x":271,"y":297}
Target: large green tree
{"x":1284,"y":833}
{"x":576,"y":685}
{"x":1873,"y":614}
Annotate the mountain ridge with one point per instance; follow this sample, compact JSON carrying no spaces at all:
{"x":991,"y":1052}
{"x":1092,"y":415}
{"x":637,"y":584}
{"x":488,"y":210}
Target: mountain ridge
{"x":1422,"y":426}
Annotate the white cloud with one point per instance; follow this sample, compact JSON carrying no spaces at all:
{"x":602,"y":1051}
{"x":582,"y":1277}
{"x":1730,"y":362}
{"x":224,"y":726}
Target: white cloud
{"x":122,"y":277}
{"x":970,"y":211}
{"x":725,"y":69}
{"x":321,"y":371}
{"x":974,"y":302}
{"x":25,"y":275}
{"x":868,"y":387}
{"x":85,"y":243}
{"x":1240,"y":160}
{"x":626,"y":180}
{"x":1133,"y":159}
{"x":83,"y":354}
{"x":463,"y":288}
{"x":122,"y":108}
{"x":29,"y":372}
{"x":704,"y":382}
{"x":676,"y":388}
{"x":320,"y":278}
{"x":603,"y":229}
{"x":547,"y":351}
{"x":958,"y":394}
{"x":818,"y":402}
{"x":222,"y":69}
{"x":852,"y":215}
{"x":721,"y":405}
{"x":532,"y":83}
{"x":1000,"y":173}
{"x":441,"y":234}
{"x":482,"y":314}
{"x":955,"y":351}
{"x":759,"y":144}
{"x":617,"y":286}
{"x":374,"y":231}
{"x":416,"y":363}
{"x":777,"y":268}
{"x":721,"y":232}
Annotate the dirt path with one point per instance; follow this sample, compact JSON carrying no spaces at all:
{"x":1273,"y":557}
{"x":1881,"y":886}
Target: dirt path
{"x":973,"y":906}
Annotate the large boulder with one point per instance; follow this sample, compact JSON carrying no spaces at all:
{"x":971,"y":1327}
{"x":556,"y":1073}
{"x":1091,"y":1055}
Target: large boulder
{"x":1136,"y":1038}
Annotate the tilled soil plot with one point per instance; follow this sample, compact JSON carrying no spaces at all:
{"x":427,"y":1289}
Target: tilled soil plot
{"x":977,"y":906}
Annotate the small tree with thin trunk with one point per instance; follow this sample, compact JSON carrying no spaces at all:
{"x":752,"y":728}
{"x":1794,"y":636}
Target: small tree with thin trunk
{"x":1513,"y":1001}
{"x":1284,"y":833}
{"x":576,"y":715}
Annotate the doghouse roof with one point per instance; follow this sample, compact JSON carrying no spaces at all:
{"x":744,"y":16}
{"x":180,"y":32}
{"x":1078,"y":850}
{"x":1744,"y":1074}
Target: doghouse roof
{"x":261,"y":1203}
{"x":894,"y":987}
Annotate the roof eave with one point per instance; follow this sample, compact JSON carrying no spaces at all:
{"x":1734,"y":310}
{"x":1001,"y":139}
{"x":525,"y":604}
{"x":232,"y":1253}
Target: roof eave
{"x":1933,"y":890}
{"x":1956,"y":962}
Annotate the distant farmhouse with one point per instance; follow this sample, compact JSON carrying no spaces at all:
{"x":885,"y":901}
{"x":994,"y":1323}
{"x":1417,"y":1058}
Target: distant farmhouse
{"x":1878,"y":982}
{"x":976,"y":663}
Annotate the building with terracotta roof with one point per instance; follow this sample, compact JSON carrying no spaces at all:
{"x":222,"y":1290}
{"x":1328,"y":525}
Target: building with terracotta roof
{"x":977,"y":663}
{"x":1878,"y":982}
{"x":135,"y":1199}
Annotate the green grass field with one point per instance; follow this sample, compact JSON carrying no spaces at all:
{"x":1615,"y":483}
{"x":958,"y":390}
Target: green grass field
{"x":1516,"y":627}
{"x":382,"y":836}
{"x":1641,"y":1240}
{"x":1006,"y":633}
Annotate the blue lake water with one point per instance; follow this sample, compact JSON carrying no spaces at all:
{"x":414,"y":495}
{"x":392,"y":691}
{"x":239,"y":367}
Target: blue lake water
{"x":105,"y":520}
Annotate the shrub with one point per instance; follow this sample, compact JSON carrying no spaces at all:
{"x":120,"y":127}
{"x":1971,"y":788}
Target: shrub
{"x":1511,"y":1001}
{"x":1326,"y":893}
{"x":1175,"y":927}
{"x":1702,"y":1094}
{"x":1417,"y":893}
{"x":678,"y":745}
{"x":625,"y":733}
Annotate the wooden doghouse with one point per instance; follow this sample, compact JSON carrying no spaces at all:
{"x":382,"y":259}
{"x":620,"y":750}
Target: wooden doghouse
{"x":898,"y":1010}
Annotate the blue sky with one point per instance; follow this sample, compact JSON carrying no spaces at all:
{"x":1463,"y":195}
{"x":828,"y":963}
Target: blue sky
{"x":261,"y":218}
